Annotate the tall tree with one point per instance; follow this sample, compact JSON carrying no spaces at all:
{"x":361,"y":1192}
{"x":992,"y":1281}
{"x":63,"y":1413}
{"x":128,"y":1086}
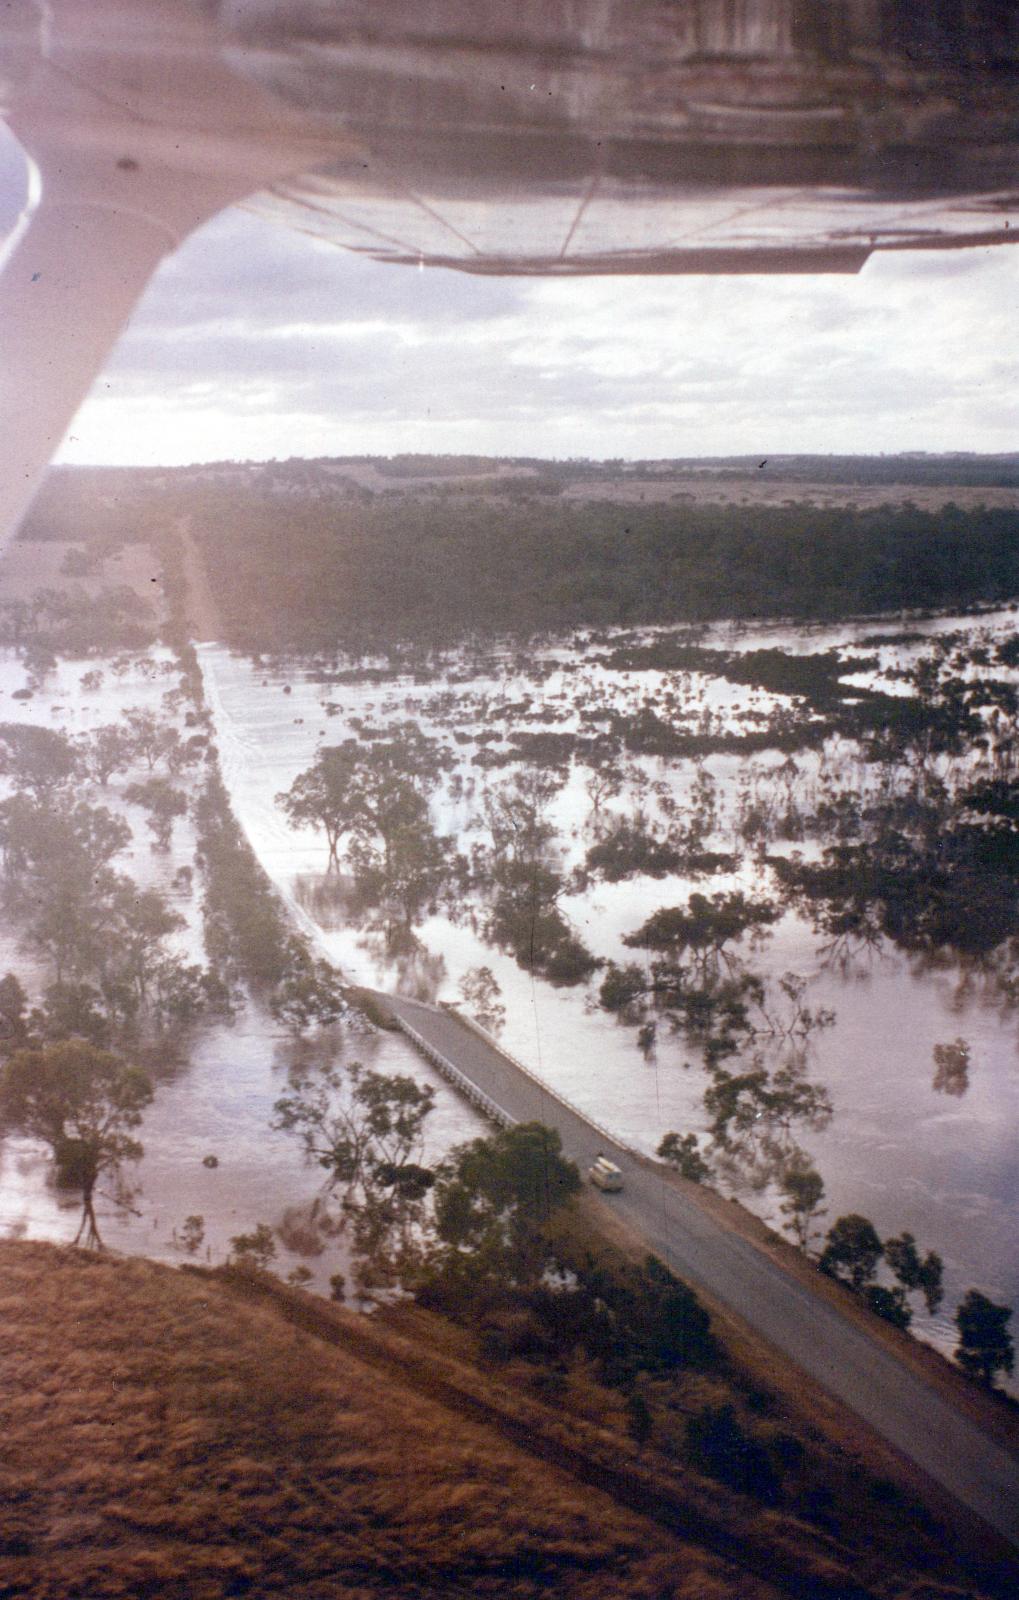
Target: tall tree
{"x":84,"y":1103}
{"x":309,"y":995}
{"x":523,"y":869}
{"x":802,"y":1189}
{"x":494,"y":1198}
{"x":985,"y":1346}
{"x":852,"y":1251}
{"x":153,"y":740}
{"x":164,"y":804}
{"x":14,"y":1022}
{"x":916,"y":1272}
{"x":682,"y":1151}
{"x":481,"y":994}
{"x":364,"y":1129}
{"x":374,"y":792}
{"x":107,"y":751}
{"x":36,"y":758}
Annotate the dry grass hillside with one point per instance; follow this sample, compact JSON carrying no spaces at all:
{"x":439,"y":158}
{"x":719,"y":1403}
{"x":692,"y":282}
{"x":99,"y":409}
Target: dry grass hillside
{"x":190,"y":1436}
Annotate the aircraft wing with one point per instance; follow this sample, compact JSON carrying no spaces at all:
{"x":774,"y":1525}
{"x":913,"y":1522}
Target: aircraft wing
{"x":487,"y":136}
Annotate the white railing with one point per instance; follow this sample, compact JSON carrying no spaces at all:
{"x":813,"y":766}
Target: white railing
{"x":554,"y":1094}
{"x":477,"y":1097}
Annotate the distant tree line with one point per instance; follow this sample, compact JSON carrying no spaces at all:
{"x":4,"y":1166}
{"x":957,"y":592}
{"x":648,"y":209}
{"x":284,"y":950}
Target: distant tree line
{"x":434,"y":569}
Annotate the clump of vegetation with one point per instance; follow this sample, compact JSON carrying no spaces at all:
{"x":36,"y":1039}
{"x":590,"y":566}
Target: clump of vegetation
{"x":246,"y":929}
{"x":852,"y":1254}
{"x":256,"y":1248}
{"x":85,"y":1105}
{"x":985,"y":1346}
{"x":433,"y":567}
{"x":310,"y":993}
{"x":72,"y":623}
{"x":723,"y":1448}
{"x":629,"y":849}
{"x":105,"y":939}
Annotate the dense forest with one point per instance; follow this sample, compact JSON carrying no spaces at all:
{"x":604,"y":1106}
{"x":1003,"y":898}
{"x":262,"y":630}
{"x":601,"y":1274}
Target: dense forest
{"x":319,"y":574}
{"x":356,"y":554}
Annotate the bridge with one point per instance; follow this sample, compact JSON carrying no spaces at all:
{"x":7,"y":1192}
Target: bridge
{"x":810,"y":1331}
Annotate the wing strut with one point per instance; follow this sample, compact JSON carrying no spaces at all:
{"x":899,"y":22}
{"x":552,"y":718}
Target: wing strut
{"x":66,"y":291}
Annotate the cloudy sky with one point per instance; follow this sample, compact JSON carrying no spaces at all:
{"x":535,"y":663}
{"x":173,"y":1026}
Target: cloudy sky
{"x":253,"y":342}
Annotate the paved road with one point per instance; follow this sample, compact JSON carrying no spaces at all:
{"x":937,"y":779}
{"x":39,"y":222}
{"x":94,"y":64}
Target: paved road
{"x":806,"y":1328}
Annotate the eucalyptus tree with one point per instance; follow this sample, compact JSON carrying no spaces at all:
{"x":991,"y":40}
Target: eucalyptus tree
{"x":521,"y":869}
{"x":802,"y":1190}
{"x":374,"y":793}
{"x":84,"y":1104}
{"x":364,"y":1130}
{"x":106,"y":751}
{"x":164,"y":804}
{"x":985,"y":1346}
{"x":35,"y":758}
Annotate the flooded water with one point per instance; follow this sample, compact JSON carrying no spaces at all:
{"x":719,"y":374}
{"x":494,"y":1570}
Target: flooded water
{"x":898,"y":1151}
{"x":909,"y":1157}
{"x":215,"y":1090}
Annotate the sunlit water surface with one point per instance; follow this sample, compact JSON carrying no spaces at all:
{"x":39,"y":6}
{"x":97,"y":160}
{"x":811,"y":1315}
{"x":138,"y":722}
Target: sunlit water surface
{"x":215,"y":1089}
{"x":910,"y":1158}
{"x":905,"y":1155}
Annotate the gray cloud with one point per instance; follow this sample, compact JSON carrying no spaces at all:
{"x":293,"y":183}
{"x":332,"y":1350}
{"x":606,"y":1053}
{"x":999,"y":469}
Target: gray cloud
{"x":253,"y":341}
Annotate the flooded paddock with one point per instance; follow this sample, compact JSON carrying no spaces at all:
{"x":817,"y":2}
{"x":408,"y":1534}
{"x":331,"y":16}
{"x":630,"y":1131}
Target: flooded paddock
{"x":911,"y":1155}
{"x":905,"y":1147}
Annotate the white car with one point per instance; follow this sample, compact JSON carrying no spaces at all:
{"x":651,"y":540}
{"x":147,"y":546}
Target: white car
{"x":604,"y":1174}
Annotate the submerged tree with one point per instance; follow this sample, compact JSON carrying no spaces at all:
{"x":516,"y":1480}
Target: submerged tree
{"x":753,"y":1117}
{"x":14,"y":1020}
{"x":309,"y":995}
{"x":374,"y":793}
{"x":364,"y":1129}
{"x":107,"y":751}
{"x":700,"y":934}
{"x":951,"y":1068}
{"x":523,"y":871}
{"x":36,"y":758}
{"x":695,"y":980}
{"x":255,"y":1249}
{"x":368,"y":787}
{"x":84,"y":1103}
{"x":481,"y":994}
{"x":154,"y":740}
{"x":164,"y":804}
{"x":802,"y":1189}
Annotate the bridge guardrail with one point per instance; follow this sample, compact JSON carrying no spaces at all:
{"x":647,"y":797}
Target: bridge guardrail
{"x":546,"y":1088}
{"x":477,"y":1097}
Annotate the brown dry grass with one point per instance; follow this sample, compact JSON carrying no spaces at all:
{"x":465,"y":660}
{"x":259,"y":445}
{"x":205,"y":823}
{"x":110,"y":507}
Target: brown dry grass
{"x":198,"y":1436}
{"x":162,"y":1436}
{"x":880,"y":1504}
{"x":778,"y":491}
{"x":29,"y":565}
